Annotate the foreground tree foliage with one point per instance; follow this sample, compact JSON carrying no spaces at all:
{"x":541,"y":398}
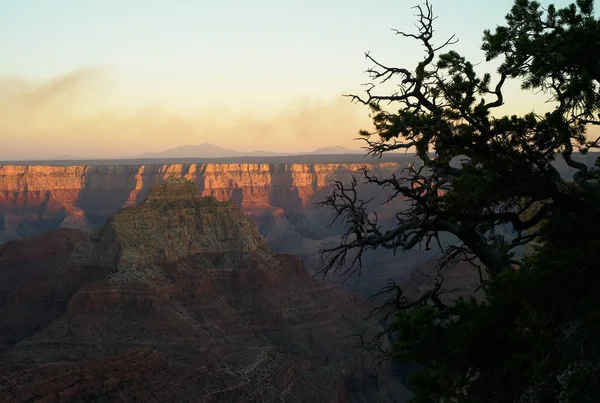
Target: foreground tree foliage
{"x":491,"y":183}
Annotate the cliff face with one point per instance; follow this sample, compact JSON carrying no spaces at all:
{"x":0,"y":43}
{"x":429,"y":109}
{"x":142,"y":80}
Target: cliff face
{"x":38,"y":198}
{"x":178,"y":299}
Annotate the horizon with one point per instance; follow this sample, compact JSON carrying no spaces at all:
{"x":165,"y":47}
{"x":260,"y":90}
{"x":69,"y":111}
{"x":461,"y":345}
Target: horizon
{"x":103,"y":81}
{"x":251,"y":153}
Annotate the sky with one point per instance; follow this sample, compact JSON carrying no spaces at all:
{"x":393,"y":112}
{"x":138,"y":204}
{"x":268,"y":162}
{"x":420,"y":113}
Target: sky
{"x":118,"y":78}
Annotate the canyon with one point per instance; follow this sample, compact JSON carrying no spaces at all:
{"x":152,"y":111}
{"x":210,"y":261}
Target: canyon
{"x":191,"y":282}
{"x":37,"y":198}
{"x":280,"y":197}
{"x":178,"y":298}
{"x":280,"y":194}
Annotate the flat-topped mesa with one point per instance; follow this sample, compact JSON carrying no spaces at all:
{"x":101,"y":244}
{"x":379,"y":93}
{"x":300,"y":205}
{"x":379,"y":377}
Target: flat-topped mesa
{"x":173,"y":223}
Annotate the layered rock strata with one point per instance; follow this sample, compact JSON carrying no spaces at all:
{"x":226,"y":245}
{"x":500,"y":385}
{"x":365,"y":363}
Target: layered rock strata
{"x":38,"y":198}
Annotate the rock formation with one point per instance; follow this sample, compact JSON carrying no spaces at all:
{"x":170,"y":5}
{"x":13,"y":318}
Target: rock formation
{"x":179,"y":299}
{"x":38,"y":198}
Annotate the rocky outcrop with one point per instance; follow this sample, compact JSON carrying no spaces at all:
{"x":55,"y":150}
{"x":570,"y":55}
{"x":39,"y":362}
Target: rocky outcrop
{"x":174,"y":222}
{"x":182,"y":291}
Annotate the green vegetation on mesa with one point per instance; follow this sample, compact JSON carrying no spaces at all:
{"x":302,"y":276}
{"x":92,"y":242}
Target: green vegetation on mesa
{"x":535,"y":337}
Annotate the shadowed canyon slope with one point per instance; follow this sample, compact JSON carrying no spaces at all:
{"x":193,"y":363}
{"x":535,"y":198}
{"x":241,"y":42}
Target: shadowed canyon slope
{"x":177,"y":299}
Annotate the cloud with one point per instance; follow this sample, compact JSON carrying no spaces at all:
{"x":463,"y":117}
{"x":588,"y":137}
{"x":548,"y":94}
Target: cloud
{"x":82,"y":114}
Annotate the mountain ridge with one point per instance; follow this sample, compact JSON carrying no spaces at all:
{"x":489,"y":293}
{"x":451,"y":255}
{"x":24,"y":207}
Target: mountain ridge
{"x":208,"y":150}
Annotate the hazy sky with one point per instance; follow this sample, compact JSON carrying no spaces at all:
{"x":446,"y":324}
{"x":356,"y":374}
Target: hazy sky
{"x":124,"y":77}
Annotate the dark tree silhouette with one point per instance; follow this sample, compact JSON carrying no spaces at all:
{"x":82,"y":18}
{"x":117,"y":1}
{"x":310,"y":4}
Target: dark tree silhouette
{"x":475,"y":173}
{"x":490,"y":181}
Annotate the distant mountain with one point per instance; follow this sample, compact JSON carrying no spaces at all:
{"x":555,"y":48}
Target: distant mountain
{"x":64,"y":157}
{"x":204,"y":150}
{"x":207,"y":150}
{"x":336,"y":150}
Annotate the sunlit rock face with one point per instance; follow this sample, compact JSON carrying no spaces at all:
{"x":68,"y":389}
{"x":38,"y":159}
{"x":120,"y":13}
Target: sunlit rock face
{"x":34,"y":199}
{"x":183,"y":301}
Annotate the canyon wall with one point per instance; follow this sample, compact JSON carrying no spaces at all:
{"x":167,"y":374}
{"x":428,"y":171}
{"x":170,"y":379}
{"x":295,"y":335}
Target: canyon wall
{"x":279,"y":197}
{"x":35,"y":198}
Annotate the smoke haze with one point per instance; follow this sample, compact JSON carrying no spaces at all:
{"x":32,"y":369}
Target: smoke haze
{"x":83,"y":114}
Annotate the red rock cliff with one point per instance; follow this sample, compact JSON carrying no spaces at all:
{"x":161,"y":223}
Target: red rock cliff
{"x":37,"y":198}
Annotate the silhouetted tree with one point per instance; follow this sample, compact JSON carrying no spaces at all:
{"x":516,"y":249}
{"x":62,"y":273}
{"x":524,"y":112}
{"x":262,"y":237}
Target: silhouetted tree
{"x":491,"y":182}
